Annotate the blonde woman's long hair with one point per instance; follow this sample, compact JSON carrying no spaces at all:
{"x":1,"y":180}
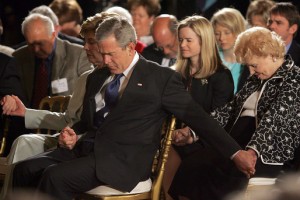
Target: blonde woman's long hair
{"x":209,"y":60}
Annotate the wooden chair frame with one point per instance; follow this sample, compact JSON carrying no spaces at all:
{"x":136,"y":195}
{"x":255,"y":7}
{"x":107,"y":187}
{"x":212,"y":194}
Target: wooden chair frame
{"x":54,"y":104}
{"x":158,"y":171}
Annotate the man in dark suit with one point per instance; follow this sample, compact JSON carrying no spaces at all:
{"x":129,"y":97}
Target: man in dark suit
{"x":284,"y":20}
{"x":121,"y":137}
{"x":165,"y":46}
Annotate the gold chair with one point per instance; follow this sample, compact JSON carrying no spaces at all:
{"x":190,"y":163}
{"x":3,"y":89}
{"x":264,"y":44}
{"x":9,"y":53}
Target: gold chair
{"x":54,"y":104}
{"x":158,"y":168}
{"x":5,"y":131}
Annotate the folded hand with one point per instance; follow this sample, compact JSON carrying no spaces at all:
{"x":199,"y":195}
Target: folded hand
{"x":245,"y":161}
{"x":182,"y":137}
{"x":67,"y":138}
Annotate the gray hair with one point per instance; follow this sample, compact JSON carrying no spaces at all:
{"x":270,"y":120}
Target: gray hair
{"x":121,"y":11}
{"x":48,"y":24}
{"x":46,"y":11}
{"x":120,"y":28}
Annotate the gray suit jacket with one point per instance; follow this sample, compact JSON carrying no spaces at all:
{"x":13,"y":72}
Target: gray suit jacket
{"x":69,"y":61}
{"x":53,"y":120}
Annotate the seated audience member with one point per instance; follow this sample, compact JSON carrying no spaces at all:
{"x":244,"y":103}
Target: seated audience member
{"x":228,"y":23}
{"x":284,"y":20}
{"x":116,"y":144}
{"x":263,"y":118}
{"x":46,"y":11}
{"x":69,"y":15}
{"x":4,"y":49}
{"x":28,"y":145}
{"x":165,"y":47}
{"x":47,"y":66}
{"x":45,"y":50}
{"x":258,"y":12}
{"x":125,"y":13}
{"x":143,"y":13}
{"x":204,"y":76}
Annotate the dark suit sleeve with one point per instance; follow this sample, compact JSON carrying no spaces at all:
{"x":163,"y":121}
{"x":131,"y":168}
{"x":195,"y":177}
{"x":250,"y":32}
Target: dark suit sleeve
{"x":179,"y":102}
{"x":10,"y":78}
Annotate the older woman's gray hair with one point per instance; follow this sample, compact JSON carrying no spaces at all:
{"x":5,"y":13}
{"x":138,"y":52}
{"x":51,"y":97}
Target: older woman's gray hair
{"x":260,"y":42}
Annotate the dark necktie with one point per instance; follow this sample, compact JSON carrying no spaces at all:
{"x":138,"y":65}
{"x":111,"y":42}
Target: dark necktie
{"x":41,"y":85}
{"x":172,"y":62}
{"x":110,"y":99}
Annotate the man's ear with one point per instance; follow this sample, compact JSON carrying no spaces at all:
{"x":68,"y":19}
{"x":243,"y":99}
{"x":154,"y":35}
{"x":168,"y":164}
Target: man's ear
{"x":57,"y":29}
{"x":293,"y":29}
{"x":131,"y":48}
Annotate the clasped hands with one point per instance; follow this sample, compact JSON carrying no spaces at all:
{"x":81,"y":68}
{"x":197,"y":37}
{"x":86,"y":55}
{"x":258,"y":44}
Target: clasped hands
{"x":245,"y":161}
{"x":182,"y":136}
{"x":12,"y":105}
{"x":67,"y":138}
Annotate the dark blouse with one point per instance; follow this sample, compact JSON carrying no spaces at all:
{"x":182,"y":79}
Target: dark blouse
{"x":213,"y":91}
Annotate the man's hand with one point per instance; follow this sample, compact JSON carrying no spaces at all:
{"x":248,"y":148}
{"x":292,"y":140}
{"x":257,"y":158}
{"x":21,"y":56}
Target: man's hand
{"x":182,"y":137}
{"x":67,"y":138}
{"x":8,"y":104}
{"x":20,"y":107}
{"x":245,"y":161}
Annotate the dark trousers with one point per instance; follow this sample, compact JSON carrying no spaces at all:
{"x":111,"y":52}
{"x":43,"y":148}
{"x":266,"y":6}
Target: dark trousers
{"x":61,"y":173}
{"x":206,"y":174}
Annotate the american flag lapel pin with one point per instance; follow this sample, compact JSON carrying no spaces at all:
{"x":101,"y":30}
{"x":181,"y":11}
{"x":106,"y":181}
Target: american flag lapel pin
{"x":140,"y":84}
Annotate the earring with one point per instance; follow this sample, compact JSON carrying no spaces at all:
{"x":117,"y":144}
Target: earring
{"x":274,"y":59}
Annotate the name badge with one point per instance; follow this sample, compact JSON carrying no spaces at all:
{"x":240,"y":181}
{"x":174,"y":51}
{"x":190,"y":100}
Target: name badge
{"x":59,"y":86}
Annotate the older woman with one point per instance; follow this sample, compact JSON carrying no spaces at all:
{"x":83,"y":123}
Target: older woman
{"x":263,"y":118}
{"x":143,"y":13}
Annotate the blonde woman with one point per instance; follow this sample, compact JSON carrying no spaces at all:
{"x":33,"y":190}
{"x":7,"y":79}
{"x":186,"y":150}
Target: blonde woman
{"x":228,"y":23}
{"x":204,"y":76}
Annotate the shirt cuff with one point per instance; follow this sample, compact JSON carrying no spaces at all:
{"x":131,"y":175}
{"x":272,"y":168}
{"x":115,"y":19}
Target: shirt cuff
{"x":194,"y":136}
{"x":251,"y":147}
{"x":231,"y":157}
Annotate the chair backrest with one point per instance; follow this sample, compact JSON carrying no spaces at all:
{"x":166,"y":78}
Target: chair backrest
{"x":54,"y":104}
